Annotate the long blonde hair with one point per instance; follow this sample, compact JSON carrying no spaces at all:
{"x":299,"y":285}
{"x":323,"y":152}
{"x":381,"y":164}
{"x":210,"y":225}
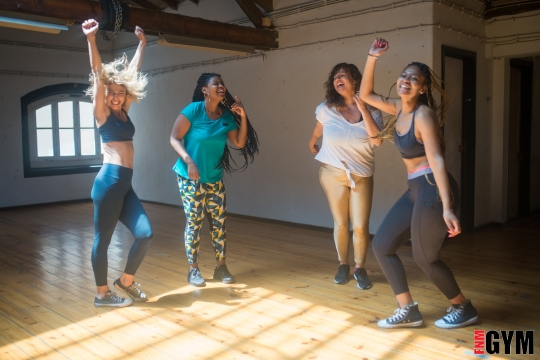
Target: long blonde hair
{"x":432,"y":82}
{"x":119,"y":72}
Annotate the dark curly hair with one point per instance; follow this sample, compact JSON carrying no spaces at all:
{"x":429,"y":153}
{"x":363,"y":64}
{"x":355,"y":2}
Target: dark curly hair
{"x":252,"y":144}
{"x":333,"y":99}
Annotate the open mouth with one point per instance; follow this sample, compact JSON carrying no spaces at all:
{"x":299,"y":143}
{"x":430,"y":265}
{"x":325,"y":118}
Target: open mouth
{"x":404,"y":87}
{"x":340,"y":86}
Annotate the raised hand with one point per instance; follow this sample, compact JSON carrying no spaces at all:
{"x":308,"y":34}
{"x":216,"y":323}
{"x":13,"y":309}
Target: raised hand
{"x":140,"y":34}
{"x":379,"y":47}
{"x":90,"y":27}
{"x":238,"y":107}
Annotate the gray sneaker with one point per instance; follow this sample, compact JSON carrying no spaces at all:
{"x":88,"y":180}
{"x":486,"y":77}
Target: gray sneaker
{"x":195,"y":278}
{"x":131,"y":290}
{"x":362,"y":279}
{"x":342,"y":275}
{"x":408,"y":317}
{"x":458,"y":316}
{"x":112,"y":300}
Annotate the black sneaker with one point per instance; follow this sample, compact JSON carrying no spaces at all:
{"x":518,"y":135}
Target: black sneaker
{"x":458,"y":316}
{"x":195,"y":278}
{"x":408,"y":317}
{"x":342,"y":276}
{"x":362,"y":278}
{"x":222,"y":273}
{"x":134,"y":293}
{"x":112,"y":300}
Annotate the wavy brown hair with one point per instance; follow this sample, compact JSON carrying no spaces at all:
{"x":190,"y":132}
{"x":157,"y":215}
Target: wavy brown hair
{"x":432,"y":82}
{"x":333,"y":99}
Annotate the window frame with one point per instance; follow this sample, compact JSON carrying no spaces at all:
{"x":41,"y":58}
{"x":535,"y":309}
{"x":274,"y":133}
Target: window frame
{"x":35,"y":166}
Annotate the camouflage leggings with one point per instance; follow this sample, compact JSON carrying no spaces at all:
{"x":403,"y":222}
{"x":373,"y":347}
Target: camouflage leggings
{"x":199,"y":199}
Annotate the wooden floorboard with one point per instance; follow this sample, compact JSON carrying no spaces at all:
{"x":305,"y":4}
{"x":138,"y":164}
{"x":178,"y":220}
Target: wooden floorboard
{"x":283,"y":306}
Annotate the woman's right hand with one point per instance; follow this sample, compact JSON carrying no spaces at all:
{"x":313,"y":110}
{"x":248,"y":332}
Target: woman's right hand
{"x":90,"y":28}
{"x":379,"y":47}
{"x":193,"y":172}
{"x":314,"y":149}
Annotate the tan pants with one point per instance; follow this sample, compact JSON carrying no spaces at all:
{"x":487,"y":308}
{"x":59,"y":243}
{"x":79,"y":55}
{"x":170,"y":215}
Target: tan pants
{"x":347,"y":203}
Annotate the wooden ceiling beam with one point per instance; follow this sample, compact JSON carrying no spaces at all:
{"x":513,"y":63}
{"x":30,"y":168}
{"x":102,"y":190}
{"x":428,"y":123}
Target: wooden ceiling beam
{"x":253,"y":13}
{"x":146,"y":4}
{"x":173,"y":4}
{"x":267,"y":5}
{"x":492,"y":11}
{"x":153,"y":22}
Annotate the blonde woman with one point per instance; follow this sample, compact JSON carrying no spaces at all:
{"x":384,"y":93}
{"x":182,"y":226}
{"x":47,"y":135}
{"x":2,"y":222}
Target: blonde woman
{"x":113,"y":88}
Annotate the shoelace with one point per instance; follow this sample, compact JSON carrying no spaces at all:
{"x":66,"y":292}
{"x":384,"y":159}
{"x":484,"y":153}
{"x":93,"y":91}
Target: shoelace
{"x":362,"y":275}
{"x":133,"y":288}
{"x":453,"y":314}
{"x":113,"y":297}
{"x":399,"y":314}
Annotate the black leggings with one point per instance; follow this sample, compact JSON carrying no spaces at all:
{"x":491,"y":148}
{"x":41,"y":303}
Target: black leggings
{"x":417,"y":215}
{"x":114,"y":199}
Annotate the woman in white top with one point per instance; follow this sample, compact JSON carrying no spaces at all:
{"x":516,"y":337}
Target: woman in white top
{"x":348,"y":126}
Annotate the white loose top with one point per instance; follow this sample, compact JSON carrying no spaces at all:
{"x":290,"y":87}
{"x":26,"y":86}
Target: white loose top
{"x":346,"y":142}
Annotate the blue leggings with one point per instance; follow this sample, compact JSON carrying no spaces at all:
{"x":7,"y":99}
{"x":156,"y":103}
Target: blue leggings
{"x":114,"y":199}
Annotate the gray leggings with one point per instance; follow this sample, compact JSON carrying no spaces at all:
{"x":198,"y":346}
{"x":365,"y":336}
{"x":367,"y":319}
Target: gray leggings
{"x":417,"y":215}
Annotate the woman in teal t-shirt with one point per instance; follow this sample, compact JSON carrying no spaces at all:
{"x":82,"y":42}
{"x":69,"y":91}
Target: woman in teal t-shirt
{"x":199,"y":137}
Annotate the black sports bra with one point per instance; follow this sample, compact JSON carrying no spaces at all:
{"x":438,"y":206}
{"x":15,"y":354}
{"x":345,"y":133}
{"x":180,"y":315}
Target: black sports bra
{"x":115,"y":129}
{"x":407,"y":144}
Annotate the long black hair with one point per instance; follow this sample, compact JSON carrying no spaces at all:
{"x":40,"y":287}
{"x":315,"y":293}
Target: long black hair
{"x":252,"y":144}
{"x":333,"y":98}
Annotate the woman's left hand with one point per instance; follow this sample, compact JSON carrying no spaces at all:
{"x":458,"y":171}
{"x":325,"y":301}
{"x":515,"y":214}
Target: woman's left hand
{"x":359,"y":102}
{"x":140,"y":34}
{"x":238,"y":107}
{"x":452,"y":222}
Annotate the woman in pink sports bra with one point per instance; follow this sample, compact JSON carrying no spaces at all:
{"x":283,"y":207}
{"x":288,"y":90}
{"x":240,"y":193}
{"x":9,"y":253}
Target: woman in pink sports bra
{"x":425,"y":213}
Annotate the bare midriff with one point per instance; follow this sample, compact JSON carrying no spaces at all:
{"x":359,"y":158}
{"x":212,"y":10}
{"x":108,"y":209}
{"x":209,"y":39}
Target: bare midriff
{"x":416,"y":163}
{"x":119,"y":153}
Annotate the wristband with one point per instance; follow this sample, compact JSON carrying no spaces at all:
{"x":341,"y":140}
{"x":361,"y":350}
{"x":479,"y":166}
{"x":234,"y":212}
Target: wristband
{"x":376,"y":57}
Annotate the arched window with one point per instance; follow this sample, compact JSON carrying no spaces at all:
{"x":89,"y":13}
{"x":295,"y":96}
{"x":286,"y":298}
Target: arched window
{"x":59,"y":132}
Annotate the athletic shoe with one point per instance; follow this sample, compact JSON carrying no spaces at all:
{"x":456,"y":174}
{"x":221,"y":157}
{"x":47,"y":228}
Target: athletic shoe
{"x":458,"y":316}
{"x":222,"y":273}
{"x":195,"y":278}
{"x":342,"y":276}
{"x":134,"y":293}
{"x":408,"y":317}
{"x":112,"y":300}
{"x":362,"y":279}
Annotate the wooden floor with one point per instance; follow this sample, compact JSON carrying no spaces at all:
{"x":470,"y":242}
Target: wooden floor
{"x":284,"y":305}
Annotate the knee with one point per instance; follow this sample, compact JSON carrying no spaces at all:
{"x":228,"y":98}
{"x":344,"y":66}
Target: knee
{"x":380,"y":247}
{"x":144,"y":234}
{"x":341,"y":227}
{"x":425,"y":263}
{"x":361,"y":231}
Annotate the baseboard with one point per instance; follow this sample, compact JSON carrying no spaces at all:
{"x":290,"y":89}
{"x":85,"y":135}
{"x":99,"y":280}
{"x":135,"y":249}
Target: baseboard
{"x":46,"y":204}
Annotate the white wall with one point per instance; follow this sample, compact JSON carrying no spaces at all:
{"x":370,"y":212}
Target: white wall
{"x":280,"y":92}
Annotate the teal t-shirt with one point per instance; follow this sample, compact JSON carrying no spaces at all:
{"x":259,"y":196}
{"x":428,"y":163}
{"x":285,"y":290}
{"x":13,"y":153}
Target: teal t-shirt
{"x":205,"y":142}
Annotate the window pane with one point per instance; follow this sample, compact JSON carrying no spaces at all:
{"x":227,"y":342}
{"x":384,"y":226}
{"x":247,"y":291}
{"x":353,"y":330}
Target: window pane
{"x":65,"y":114}
{"x":88,"y":138}
{"x":87,"y":114}
{"x":67,"y":142}
{"x":44,"y":117}
{"x":45,"y":142}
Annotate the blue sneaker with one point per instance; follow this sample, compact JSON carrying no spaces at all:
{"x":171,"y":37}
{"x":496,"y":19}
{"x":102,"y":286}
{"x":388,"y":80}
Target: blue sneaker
{"x":408,"y":317}
{"x":458,"y":316}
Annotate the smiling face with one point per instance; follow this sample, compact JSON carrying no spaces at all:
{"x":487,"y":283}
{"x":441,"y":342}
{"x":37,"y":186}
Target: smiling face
{"x":116,"y":96}
{"x":411,"y":82}
{"x":215,"y":89}
{"x":344,"y":83}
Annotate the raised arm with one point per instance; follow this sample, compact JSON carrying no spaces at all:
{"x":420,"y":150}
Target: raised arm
{"x":367,"y":93}
{"x":139,"y":54}
{"x":239,"y":137}
{"x":180,"y":128}
{"x":90,"y":28}
{"x":427,"y":125}
{"x":136,"y":62}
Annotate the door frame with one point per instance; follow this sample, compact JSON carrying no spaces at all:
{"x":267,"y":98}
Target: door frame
{"x":525,"y":131}
{"x":468,"y":133}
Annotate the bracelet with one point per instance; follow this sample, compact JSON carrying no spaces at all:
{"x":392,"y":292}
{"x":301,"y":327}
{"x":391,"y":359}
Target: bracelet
{"x":376,"y":57}
{"x":191,"y":165}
